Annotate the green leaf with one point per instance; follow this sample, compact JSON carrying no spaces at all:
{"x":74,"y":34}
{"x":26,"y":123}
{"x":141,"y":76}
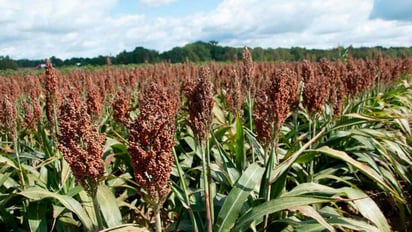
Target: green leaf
{"x":309,"y":211}
{"x":255,"y":145}
{"x":65,"y":173}
{"x":229,"y":167}
{"x":7,"y":181}
{"x":87,"y":204}
{"x":7,"y":162}
{"x":365,"y":169}
{"x":108,"y":206}
{"x":368,"y":208}
{"x":237,"y":196}
{"x":240,"y":153}
{"x":281,"y":168}
{"x":333,"y":217}
{"x":36,"y":213}
{"x":273,"y":206}
{"x":126,"y":228}
{"x":36,"y":194}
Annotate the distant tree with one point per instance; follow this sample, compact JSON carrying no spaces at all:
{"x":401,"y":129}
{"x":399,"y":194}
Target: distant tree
{"x":74,"y":61}
{"x":7,"y":63}
{"x":123,"y":57}
{"x":298,"y":53}
{"x":258,"y":54}
{"x":178,"y":55}
{"x":200,"y":51}
{"x":100,"y":60}
{"x":213,"y":42}
{"x":139,"y":55}
{"x":26,"y":63}
{"x":142,"y":55}
{"x":57,"y":62}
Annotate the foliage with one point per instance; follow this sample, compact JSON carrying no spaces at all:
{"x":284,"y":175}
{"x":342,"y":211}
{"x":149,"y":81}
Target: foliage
{"x":337,"y":159}
{"x":201,"y":51}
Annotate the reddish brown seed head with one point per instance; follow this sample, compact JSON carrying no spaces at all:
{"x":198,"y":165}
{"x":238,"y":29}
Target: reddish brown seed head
{"x":80,"y":143}
{"x":200,"y":104}
{"x":151,"y":139}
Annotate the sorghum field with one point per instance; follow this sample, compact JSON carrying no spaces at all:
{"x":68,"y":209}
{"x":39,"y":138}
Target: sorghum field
{"x":305,"y":146}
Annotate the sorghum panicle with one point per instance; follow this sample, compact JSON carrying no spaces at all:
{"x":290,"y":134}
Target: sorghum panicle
{"x":94,"y":102}
{"x":121,"y":107}
{"x":271,"y":107}
{"x":8,"y":115}
{"x":29,"y":116}
{"x":200,"y":103}
{"x":231,"y":87}
{"x":52,"y":93}
{"x":293,"y":86}
{"x":151,"y":140}
{"x":248,"y":70}
{"x":80,"y":143}
{"x":315,"y":92}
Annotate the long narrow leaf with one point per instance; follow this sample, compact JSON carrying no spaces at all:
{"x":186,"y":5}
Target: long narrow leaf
{"x":108,"y":206}
{"x":368,"y":208}
{"x":287,"y":163}
{"x":234,"y":201}
{"x":37,"y":216}
{"x":360,"y":166}
{"x":362,"y":202}
{"x":309,"y":211}
{"x":240,"y":153}
{"x":36,"y":193}
{"x":273,"y":206}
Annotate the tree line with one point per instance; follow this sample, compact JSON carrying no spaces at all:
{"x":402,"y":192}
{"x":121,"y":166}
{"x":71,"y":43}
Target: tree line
{"x":201,"y":51}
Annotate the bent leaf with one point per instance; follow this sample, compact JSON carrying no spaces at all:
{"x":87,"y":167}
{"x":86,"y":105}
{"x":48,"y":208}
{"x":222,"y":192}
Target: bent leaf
{"x":36,"y":194}
{"x":237,"y":196}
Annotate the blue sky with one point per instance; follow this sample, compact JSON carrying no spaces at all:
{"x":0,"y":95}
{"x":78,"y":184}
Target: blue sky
{"x":38,"y":29}
{"x":164,"y":8}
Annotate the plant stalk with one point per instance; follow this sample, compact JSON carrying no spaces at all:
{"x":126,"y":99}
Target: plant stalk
{"x":183,"y":181}
{"x":158,"y":220}
{"x":16,"y":148}
{"x":206,"y":187}
{"x":270,"y":161}
{"x":209,"y":182}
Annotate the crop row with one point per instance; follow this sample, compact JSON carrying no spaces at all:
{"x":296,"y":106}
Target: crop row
{"x":303,"y":145}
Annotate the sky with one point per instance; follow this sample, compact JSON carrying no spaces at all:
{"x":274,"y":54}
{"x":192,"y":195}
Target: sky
{"x":38,"y":29}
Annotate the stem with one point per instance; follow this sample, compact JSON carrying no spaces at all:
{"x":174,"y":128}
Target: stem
{"x":298,"y":152}
{"x":16,"y":148}
{"x":269,"y":164}
{"x":158,"y":224}
{"x":250,"y":104}
{"x":183,"y":181}
{"x":206,"y":188}
{"x":295,"y":124}
{"x":312,"y":134}
{"x":209,"y":182}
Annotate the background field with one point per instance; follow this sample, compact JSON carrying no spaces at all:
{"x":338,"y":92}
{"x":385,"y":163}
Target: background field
{"x":242,"y":146}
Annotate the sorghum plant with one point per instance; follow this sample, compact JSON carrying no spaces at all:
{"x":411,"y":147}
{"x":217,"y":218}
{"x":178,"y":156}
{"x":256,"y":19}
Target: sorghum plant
{"x":270,"y":112}
{"x":271,"y":108}
{"x":8,"y":116}
{"x":81,"y":144}
{"x":121,"y":107}
{"x":200,"y":104}
{"x":52,"y":95}
{"x":248,"y":81}
{"x":151,"y":141}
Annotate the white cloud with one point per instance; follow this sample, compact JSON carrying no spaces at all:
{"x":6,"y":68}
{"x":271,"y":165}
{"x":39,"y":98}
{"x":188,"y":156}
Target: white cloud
{"x":73,"y":28}
{"x":155,"y":3}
